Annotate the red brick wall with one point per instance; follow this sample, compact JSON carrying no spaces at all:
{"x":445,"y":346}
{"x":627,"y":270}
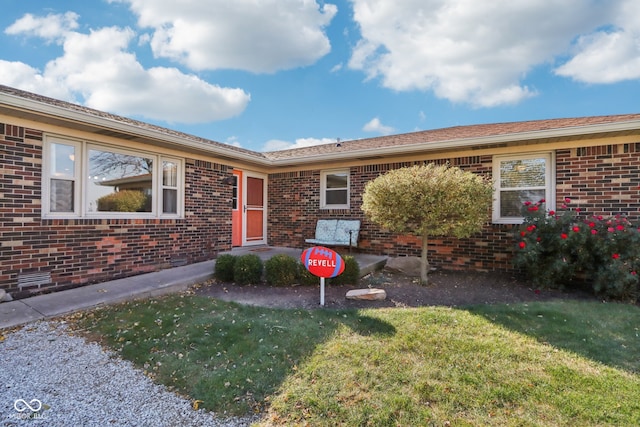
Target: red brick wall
{"x":295,"y":219}
{"x":601,"y":180}
{"x":81,"y":251}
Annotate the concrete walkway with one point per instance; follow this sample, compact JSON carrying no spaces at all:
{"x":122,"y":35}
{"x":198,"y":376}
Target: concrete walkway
{"x":15,"y":313}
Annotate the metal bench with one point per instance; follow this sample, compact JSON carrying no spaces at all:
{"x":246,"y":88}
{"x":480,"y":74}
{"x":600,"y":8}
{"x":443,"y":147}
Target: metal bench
{"x":336,"y":232}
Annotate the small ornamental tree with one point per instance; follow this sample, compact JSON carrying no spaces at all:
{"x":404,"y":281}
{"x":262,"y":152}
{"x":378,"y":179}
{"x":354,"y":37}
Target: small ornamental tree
{"x":429,"y":200}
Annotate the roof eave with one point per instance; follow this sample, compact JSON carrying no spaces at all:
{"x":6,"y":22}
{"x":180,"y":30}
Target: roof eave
{"x":476,"y":142}
{"x":42,"y":108}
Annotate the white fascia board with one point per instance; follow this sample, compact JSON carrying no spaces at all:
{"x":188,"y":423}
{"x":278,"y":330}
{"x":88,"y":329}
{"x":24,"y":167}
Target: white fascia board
{"x":114,"y":125}
{"x":463,"y":143}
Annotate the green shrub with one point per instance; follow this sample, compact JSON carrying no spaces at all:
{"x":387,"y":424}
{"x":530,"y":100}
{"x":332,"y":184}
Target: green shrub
{"x":305,"y":277}
{"x":247,"y":269}
{"x":351,"y":273}
{"x":281,"y":270}
{"x":555,"y":248}
{"x":223,"y":269}
{"x":123,"y":201}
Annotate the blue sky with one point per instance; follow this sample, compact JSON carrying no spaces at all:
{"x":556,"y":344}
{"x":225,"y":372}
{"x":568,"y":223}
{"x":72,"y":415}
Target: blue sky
{"x":276,"y":74}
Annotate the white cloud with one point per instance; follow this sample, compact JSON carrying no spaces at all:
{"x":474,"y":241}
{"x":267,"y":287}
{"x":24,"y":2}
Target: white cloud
{"x":605,"y":58}
{"x":52,"y":27}
{"x":25,"y":77}
{"x":278,"y":145}
{"x":263,"y":36}
{"x":98,"y":69}
{"x":374,"y":125}
{"x":233,"y":140}
{"x":611,"y":54}
{"x":479,"y":52}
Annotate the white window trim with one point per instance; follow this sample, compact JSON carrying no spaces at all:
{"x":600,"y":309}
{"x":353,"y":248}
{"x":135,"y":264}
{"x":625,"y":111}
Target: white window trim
{"x":47,"y":177}
{"x":550,"y":183}
{"x":80,"y":196}
{"x":323,"y":189}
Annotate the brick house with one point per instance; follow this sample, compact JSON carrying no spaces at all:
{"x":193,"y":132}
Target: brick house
{"x":87,"y":196}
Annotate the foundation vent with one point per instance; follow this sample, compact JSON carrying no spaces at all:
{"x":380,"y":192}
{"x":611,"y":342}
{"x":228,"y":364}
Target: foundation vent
{"x":30,"y":280}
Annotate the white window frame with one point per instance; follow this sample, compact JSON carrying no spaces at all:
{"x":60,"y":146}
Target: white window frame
{"x":324,"y":189}
{"x":48,"y":176}
{"x":549,"y":187}
{"x":81,"y":164}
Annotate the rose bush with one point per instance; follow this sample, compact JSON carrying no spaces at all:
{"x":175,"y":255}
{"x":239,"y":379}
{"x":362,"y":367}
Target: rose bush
{"x":556,"y":249}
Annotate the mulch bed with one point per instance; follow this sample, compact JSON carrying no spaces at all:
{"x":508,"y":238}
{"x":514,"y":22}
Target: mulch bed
{"x":445,"y":288}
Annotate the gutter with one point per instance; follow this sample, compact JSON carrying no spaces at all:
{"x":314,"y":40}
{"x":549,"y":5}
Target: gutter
{"x":57,"y":111}
{"x":461,"y":143}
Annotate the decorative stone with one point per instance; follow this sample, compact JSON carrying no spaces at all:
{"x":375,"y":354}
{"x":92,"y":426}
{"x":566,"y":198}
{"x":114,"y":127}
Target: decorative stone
{"x":3,"y":295}
{"x":371,"y":294}
{"x":407,"y":265}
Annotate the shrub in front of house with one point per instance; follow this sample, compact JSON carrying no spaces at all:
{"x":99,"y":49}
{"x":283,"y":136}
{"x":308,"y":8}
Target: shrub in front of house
{"x":556,"y":248}
{"x":247,"y":269}
{"x":281,"y":270}
{"x":305,"y":277}
{"x":223,"y":269}
{"x":351,"y":273}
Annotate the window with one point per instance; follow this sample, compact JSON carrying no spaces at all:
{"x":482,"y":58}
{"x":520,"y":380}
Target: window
{"x":234,"y":197}
{"x":64,"y":170}
{"x":90,"y":180}
{"x":169,"y":187}
{"x":334,"y":189}
{"x":519,"y":179}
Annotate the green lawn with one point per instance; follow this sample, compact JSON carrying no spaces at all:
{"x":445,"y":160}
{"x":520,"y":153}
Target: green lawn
{"x":559,"y":363}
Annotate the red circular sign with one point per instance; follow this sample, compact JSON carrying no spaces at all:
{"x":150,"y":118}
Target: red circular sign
{"x":322,"y":262}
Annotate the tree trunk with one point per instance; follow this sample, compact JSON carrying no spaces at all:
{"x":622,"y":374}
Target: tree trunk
{"x":424,"y":262}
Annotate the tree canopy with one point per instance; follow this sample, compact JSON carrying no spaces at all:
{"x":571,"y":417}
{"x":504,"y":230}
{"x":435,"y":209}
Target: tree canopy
{"x":429,"y":200}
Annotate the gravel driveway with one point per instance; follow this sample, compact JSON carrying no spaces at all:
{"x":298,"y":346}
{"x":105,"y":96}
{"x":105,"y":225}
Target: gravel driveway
{"x":76,"y":383}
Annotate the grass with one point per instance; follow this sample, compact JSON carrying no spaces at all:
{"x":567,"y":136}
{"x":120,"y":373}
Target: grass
{"x":558,"y":363}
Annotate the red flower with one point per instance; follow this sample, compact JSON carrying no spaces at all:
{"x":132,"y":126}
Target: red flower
{"x":542,"y":201}
{"x":620,"y":227}
{"x":610,"y":230}
{"x":615,"y":256}
{"x":563,"y":236}
{"x":567,"y":200}
{"x":532,"y":208}
{"x":522,"y":245}
{"x":552,"y":213}
{"x":578,"y":209}
{"x":523,"y":233}
{"x":633,"y":273}
{"x":592,"y":224}
{"x":527,"y":203}
{"x":594,"y":231}
{"x":531,"y":228}
{"x":576,"y":229}
{"x":538,"y":239}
